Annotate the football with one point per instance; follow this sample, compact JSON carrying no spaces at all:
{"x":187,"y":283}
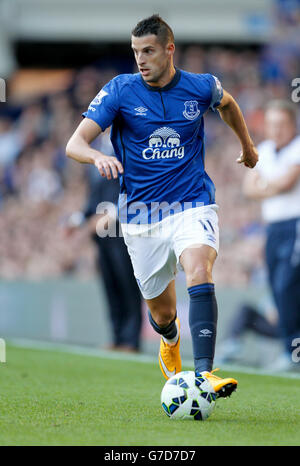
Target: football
{"x":188,"y":396}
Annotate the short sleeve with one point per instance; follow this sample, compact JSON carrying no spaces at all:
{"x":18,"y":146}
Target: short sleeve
{"x":105,"y":106}
{"x":216,"y":92}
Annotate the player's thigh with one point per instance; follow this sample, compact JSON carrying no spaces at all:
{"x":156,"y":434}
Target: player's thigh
{"x":197,"y":261}
{"x":196,"y":243}
{"x":163,"y":307}
{"x":154,"y":263}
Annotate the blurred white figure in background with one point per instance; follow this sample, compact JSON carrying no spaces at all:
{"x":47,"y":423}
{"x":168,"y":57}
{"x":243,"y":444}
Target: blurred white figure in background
{"x":276,"y":182}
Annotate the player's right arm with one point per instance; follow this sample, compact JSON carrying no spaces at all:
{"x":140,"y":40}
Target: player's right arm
{"x":231,"y":114}
{"x":79,"y":149}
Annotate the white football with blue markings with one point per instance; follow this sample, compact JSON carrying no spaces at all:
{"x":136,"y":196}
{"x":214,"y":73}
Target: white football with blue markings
{"x":187,"y":395}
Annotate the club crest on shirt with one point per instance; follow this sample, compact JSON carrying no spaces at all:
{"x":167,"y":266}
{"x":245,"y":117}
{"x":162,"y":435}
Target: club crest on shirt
{"x":191,"y":110}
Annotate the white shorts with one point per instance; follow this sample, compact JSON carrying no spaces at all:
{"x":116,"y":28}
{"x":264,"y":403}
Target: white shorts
{"x":155,"y":249}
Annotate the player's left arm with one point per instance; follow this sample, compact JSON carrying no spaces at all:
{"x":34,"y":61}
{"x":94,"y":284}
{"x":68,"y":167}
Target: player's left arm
{"x":230,"y":112}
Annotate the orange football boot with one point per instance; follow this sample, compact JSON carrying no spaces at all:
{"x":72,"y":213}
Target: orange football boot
{"x":169,"y":356}
{"x":222,"y":387}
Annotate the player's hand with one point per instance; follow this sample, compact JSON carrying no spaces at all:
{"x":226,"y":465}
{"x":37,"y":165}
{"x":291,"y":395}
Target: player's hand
{"x":108,"y":166}
{"x":249,"y":157}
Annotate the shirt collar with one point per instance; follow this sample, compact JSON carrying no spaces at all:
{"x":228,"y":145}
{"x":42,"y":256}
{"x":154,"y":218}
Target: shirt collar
{"x":168,"y":86}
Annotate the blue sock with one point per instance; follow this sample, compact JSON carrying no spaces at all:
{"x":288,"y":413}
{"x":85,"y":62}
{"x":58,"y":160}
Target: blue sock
{"x":203,"y":315}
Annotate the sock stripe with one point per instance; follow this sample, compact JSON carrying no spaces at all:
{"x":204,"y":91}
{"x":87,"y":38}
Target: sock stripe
{"x":205,"y":288}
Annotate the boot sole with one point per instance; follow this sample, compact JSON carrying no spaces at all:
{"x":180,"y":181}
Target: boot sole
{"x":226,"y":390}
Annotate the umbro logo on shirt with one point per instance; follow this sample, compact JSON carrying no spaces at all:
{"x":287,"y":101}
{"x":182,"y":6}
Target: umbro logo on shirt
{"x":141,"y":111}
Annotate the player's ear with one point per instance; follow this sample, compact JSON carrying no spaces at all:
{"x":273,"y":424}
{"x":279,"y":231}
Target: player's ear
{"x":170,"y":48}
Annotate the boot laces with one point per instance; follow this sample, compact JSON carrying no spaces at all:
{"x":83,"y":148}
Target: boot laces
{"x":211,"y":375}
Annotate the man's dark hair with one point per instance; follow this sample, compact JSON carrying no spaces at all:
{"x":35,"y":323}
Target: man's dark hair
{"x":154,"y":25}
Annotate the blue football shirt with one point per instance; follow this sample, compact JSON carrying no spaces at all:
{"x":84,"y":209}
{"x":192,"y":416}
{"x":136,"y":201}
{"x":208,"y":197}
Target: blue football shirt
{"x":158,"y":136}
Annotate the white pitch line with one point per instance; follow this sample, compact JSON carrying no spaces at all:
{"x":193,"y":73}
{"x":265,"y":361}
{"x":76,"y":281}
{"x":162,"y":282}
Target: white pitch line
{"x":80,"y":350}
{"x":142,"y":358}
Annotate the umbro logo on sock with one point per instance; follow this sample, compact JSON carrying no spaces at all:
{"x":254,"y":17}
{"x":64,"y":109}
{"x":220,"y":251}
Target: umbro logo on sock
{"x":205,"y":333}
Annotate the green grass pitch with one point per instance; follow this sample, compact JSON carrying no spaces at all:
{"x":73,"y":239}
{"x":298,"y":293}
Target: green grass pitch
{"x":53,"y":398}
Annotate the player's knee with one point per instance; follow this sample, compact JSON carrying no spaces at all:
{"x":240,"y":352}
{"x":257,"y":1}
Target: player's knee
{"x":202,"y":273}
{"x":163,"y":316}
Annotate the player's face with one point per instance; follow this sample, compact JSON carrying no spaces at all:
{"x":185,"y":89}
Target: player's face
{"x":279,"y":127}
{"x":152,"y":58}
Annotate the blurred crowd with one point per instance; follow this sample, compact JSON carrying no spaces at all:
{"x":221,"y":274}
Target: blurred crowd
{"x":39,"y":187}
